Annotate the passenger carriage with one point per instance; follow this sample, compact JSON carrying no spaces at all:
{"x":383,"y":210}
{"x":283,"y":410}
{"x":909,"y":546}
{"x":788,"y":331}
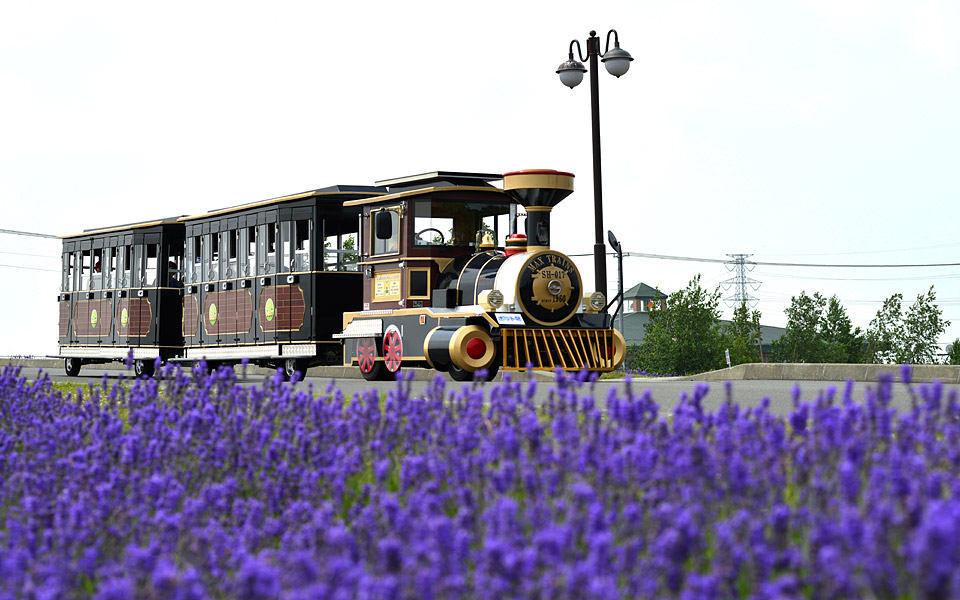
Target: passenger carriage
{"x":119,"y":291}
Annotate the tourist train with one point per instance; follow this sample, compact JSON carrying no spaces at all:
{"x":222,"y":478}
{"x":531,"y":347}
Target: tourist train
{"x":419,"y":271}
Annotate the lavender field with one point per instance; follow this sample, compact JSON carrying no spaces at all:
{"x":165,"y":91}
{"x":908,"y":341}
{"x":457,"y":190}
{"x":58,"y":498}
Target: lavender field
{"x":193,"y":486}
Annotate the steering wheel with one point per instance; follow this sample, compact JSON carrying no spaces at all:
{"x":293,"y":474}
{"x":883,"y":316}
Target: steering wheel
{"x":437,"y":231}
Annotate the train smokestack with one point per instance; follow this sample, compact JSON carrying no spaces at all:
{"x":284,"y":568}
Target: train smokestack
{"x":538,"y":190}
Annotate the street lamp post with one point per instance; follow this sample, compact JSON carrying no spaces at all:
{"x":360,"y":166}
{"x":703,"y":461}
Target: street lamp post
{"x":617,"y":62}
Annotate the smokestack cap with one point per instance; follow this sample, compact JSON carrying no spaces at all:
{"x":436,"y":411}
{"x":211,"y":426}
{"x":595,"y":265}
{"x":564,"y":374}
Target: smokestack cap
{"x":538,"y":187}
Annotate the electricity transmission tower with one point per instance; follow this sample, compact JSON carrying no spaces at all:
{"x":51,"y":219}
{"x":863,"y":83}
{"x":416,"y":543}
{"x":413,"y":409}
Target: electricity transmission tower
{"x":739,"y":282}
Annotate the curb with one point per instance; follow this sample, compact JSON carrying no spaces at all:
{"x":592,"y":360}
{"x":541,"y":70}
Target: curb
{"x":53,"y":365}
{"x":826,"y":372}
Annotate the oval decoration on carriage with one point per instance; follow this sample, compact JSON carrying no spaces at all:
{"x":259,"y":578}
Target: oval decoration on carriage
{"x":269,"y":310}
{"x":549,"y":287}
{"x":392,"y":348}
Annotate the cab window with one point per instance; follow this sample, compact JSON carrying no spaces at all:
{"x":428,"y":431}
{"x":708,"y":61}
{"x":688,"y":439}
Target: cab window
{"x":390,"y":245}
{"x":459,"y":224}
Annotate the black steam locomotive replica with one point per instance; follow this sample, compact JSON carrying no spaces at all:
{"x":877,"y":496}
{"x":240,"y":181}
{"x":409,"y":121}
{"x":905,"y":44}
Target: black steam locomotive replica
{"x":422,"y":271}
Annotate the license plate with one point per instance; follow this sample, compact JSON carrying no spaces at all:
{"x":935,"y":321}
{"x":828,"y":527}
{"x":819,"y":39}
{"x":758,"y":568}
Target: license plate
{"x":509,"y":318}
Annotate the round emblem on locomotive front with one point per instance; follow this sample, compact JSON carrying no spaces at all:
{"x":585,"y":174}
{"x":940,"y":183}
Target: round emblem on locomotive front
{"x":549,"y":287}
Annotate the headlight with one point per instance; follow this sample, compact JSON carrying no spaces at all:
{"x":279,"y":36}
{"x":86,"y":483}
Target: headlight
{"x":597,"y":301}
{"x":490,"y":299}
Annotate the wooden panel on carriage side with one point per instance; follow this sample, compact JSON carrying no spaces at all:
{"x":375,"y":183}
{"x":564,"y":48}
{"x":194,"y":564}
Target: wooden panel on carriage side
{"x":64,"y":322}
{"x":281,"y":309}
{"x":229,"y":314}
{"x":190,"y":324}
{"x":88,"y":321}
{"x":134,"y":318}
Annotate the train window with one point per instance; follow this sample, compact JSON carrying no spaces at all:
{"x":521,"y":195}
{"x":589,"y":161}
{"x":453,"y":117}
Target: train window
{"x":86,"y":267}
{"x":66,"y":277}
{"x":497,"y":226}
{"x":76,"y":280}
{"x":267,"y":249}
{"x":153,"y":262}
{"x":340,"y":253}
{"x":418,"y":285}
{"x":213,"y":261}
{"x":229,"y":243}
{"x":301,"y":259}
{"x":285,"y":260}
{"x":123,"y":267}
{"x":96,"y":277}
{"x":192,"y":260}
{"x":175,"y":264}
{"x":136,"y":267}
{"x":390,"y":245}
{"x":460,"y":224}
{"x":109,"y":268}
{"x":249,"y":266}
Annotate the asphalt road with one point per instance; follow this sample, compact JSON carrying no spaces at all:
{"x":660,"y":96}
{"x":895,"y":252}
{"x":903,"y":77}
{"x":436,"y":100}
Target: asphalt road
{"x":666,"y":391}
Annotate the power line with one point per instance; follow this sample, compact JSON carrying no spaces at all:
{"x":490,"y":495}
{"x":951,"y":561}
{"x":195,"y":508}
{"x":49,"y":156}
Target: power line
{"x":825,"y":278}
{"x":29,"y":233}
{"x":26,"y":254}
{"x":30,"y":268}
{"x":784,"y":264}
{"x":887,"y":251}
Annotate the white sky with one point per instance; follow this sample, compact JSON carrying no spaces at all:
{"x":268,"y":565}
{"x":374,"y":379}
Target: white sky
{"x":823,"y":131}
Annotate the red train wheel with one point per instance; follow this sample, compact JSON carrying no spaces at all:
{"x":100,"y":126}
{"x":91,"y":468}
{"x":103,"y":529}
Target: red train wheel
{"x":367,"y":359}
{"x":392,"y":349}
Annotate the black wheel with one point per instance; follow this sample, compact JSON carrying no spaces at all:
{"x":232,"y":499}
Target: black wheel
{"x":493,"y":369}
{"x":143,"y":368}
{"x":72,"y":366}
{"x":293,"y":366}
{"x":459,"y":374}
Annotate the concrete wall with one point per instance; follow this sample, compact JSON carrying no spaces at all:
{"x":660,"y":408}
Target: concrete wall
{"x":828,"y":372}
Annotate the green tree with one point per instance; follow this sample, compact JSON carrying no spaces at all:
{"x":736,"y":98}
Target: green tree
{"x":895,"y":337}
{"x":819,"y":330}
{"x":843,"y":342}
{"x":802,"y":341}
{"x":922,"y":325}
{"x":885,"y":333}
{"x":741,"y":335}
{"x":683,"y":336}
{"x":953,"y":353}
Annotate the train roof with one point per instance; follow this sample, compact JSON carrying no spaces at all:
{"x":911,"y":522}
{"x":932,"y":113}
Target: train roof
{"x":439,"y":179}
{"x":431,"y":190}
{"x":432,"y":182}
{"x":335,"y":194}
{"x":115,"y":228}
